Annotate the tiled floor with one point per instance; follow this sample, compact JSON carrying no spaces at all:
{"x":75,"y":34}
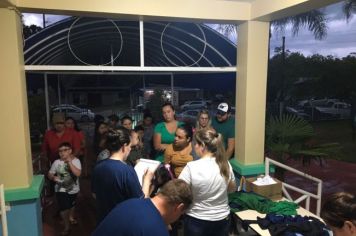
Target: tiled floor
{"x":85,"y":214}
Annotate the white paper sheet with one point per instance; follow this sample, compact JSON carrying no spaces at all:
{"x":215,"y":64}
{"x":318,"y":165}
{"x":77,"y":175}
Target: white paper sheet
{"x":143,"y":165}
{"x":266,"y":180}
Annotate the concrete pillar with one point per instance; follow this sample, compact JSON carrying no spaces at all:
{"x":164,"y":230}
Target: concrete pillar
{"x":15,"y":148}
{"x":22,"y":189}
{"x":252,"y":59}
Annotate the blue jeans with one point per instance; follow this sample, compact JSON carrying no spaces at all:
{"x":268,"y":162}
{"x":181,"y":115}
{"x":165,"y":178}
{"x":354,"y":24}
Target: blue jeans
{"x":197,"y":227}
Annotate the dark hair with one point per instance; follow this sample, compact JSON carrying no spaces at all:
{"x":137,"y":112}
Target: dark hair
{"x":338,"y":208}
{"x":98,"y":119}
{"x":65,"y":144}
{"x":161,"y":176}
{"x":126,"y":117}
{"x":177,"y":191}
{"x":113,"y":117}
{"x":139,"y":128}
{"x":117,"y":138}
{"x":147,"y":115}
{"x":188,"y":131}
{"x":212,"y":141}
{"x":76,"y":127}
{"x":168,"y":104}
{"x":97,"y":137}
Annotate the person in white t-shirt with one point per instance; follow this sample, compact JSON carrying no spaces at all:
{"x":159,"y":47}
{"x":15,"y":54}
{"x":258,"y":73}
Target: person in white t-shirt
{"x":211,"y":178}
{"x":65,"y":173}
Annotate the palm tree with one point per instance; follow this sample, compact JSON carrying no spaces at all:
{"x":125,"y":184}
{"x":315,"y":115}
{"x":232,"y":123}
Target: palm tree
{"x":315,"y":21}
{"x":349,"y":9}
{"x":289,"y":136}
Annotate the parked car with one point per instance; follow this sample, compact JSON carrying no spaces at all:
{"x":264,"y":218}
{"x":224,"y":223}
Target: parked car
{"x":79,"y":114}
{"x":298,"y":111}
{"x":339,"y":110}
{"x":188,"y":116}
{"x":140,"y":107}
{"x":194,"y":105}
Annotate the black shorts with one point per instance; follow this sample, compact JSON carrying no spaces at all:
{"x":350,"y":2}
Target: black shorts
{"x":65,"y":200}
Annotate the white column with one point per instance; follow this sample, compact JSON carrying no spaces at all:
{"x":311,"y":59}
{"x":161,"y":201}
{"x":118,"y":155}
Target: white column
{"x":251,"y":86}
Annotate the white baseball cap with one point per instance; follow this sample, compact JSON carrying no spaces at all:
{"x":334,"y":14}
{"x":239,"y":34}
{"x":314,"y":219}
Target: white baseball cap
{"x":223,"y":108}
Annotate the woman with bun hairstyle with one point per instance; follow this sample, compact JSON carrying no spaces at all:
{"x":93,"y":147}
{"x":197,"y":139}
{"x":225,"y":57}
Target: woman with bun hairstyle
{"x":339,"y":213}
{"x":113,"y":180}
{"x":211,"y":179}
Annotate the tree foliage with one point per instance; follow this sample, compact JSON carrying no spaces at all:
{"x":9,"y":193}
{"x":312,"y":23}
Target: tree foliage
{"x":315,"y":21}
{"x":349,"y":8}
{"x":30,"y":30}
{"x":289,"y":136}
{"x":312,"y":76}
{"x":37,"y":109}
{"x":155,"y":103}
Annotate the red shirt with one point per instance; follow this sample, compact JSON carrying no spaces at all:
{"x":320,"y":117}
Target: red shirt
{"x":52,"y":141}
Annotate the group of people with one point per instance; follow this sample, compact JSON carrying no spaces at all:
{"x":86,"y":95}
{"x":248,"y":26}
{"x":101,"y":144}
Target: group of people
{"x":201,"y":194}
{"x":194,"y":179}
{"x":165,"y":132}
{"x":65,"y":148}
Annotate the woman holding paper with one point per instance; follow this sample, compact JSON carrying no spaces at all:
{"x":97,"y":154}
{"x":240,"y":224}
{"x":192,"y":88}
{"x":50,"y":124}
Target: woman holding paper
{"x":113,"y":180}
{"x":179,"y":153}
{"x":211,"y":178}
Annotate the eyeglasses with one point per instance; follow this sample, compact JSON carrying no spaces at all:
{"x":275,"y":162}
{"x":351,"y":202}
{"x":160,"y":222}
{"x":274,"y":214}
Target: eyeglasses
{"x":63,"y":150}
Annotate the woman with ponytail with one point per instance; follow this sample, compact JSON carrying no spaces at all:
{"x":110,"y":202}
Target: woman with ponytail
{"x":211,"y":178}
{"x":113,"y":180}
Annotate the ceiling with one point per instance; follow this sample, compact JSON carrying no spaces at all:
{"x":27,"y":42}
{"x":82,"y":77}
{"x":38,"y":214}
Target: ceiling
{"x":100,"y":41}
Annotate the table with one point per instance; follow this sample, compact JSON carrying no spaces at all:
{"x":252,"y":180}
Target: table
{"x":252,"y":215}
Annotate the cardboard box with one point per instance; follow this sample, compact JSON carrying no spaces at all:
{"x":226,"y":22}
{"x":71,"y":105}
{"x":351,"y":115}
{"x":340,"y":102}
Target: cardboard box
{"x":272,"y":191}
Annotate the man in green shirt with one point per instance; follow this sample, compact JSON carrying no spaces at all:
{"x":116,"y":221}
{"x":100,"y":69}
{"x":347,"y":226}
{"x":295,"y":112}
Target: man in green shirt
{"x":225,"y":125}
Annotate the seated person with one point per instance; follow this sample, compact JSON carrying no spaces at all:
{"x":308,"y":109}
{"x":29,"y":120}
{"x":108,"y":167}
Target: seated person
{"x":339,"y":213}
{"x":179,"y":154}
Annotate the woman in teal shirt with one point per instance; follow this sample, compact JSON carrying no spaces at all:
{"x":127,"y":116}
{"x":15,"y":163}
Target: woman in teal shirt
{"x":164,"y":132}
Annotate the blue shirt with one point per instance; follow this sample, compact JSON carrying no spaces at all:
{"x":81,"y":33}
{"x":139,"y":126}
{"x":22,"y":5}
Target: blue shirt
{"x":134,"y":217}
{"x":114,"y":182}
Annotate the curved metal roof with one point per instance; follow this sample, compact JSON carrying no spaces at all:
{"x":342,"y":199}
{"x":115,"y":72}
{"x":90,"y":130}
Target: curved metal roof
{"x":99,"y":41}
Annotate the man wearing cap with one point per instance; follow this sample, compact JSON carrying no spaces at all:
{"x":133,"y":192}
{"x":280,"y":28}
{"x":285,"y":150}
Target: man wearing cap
{"x":225,"y":125}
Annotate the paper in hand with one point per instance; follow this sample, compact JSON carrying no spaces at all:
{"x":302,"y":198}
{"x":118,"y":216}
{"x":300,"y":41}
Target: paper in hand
{"x":143,"y":165}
